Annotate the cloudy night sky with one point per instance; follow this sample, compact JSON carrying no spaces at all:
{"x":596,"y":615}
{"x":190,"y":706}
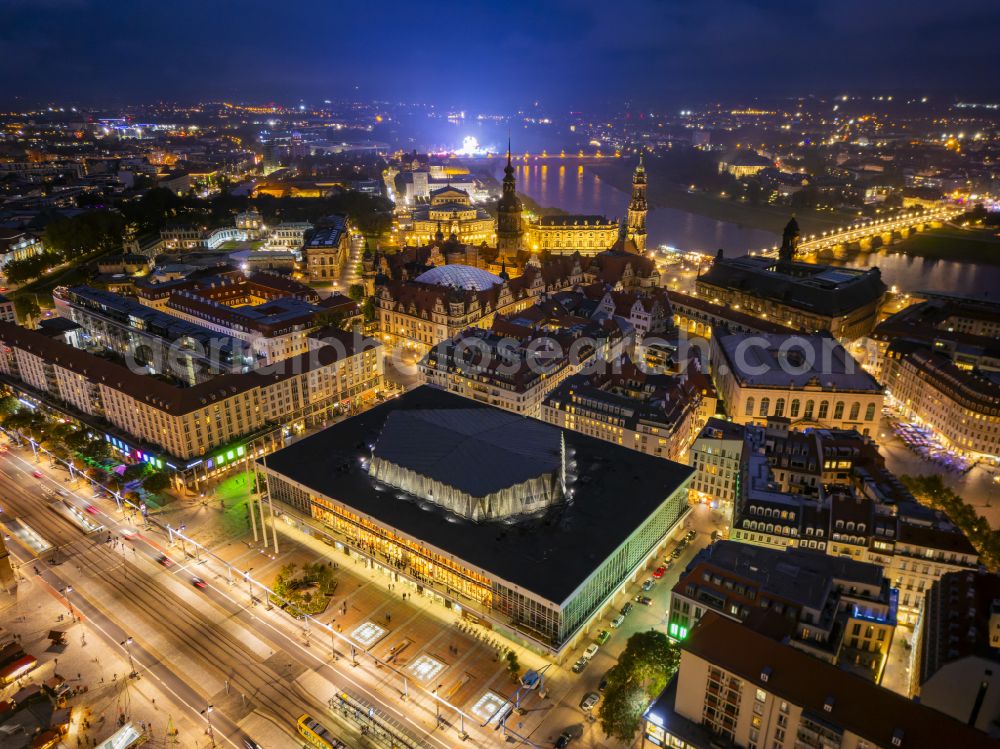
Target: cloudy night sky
{"x":574,"y":53}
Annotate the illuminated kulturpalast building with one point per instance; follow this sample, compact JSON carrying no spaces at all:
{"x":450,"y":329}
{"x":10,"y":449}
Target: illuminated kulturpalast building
{"x":484,"y":511}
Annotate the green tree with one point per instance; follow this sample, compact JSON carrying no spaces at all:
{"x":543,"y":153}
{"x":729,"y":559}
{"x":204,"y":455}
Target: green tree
{"x":643,"y":670}
{"x":331,"y":319}
{"x":8,"y":405}
{"x":513,"y":666}
{"x":356,"y":291}
{"x":368,"y":309}
{"x":156,"y":482}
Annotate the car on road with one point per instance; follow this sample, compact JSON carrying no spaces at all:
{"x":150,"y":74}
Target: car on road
{"x":658,"y":572}
{"x":580,"y":664}
{"x":644,"y":600}
{"x":197,"y":582}
{"x":603,"y":636}
{"x":604,"y":682}
{"x":591,"y":650}
{"x":648,"y":585}
{"x":250,"y":743}
{"x":90,"y":509}
{"x":691,"y":535}
{"x":668,"y":564}
{"x":564,"y":740}
{"x":589,"y":700}
{"x":626,"y":608}
{"x":617,"y":621}
{"x":62,"y":492}
{"x":676,"y":552}
{"x":37,"y":474}
{"x":715,"y":535}
{"x":164,"y":560}
{"x":128,"y":532}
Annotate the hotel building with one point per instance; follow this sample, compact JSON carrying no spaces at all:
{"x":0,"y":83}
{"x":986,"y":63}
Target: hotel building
{"x":828,"y":490}
{"x":836,"y":608}
{"x":195,"y":431}
{"x":740,"y":686}
{"x":519,"y":360}
{"x":657,"y":414}
{"x":940,"y":363}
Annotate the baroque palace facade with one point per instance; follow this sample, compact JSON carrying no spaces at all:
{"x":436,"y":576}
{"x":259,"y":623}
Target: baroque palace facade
{"x":567,"y":234}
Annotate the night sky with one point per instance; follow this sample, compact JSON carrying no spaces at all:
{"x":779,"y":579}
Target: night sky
{"x":493,"y":55}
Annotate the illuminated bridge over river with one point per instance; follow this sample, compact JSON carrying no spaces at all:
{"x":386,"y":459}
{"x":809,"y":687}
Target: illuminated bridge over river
{"x":871,"y":234}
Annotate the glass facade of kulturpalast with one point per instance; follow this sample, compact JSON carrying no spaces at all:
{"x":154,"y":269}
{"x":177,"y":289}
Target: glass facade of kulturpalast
{"x":545,"y":623}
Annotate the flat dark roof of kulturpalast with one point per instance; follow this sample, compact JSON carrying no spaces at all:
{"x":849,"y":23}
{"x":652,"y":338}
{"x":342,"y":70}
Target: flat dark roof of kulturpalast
{"x":551,"y":555}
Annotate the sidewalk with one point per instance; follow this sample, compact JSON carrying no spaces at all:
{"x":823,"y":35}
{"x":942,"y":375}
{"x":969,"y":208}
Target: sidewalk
{"x":417,"y":628}
{"x":96,"y":671}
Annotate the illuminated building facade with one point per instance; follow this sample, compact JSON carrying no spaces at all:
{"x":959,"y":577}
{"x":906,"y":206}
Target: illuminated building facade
{"x":451,"y":211}
{"x":638,"y":208}
{"x":838,"y":609}
{"x":510,"y":226}
{"x":804,"y":296}
{"x":562,"y":235}
{"x":658,"y":414}
{"x":741,"y":686}
{"x":518,"y":565}
{"x":809,"y":379}
{"x":827,"y":490}
{"x":188,"y":426}
{"x":939,"y":361}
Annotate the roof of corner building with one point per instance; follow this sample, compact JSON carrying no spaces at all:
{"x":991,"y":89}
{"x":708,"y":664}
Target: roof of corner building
{"x":549,"y":555}
{"x":766,"y":360}
{"x":818,"y":288}
{"x":856,"y":704}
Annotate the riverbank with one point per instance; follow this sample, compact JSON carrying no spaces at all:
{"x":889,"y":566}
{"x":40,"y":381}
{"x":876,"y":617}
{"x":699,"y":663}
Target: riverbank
{"x":763,"y":217}
{"x":952,"y":243}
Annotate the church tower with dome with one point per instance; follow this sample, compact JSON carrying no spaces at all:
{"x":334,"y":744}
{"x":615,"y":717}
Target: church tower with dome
{"x":510,"y":230}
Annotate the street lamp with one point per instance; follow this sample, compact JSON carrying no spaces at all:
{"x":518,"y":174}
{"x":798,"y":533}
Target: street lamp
{"x":207,"y":712}
{"x":127,"y":644}
{"x":66,"y":591}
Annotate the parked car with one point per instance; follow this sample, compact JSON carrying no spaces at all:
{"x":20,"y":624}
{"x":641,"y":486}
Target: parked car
{"x":564,"y":740}
{"x":580,"y":664}
{"x":691,"y":535}
{"x":676,"y":553}
{"x":715,"y":535}
{"x":591,"y":650}
{"x":603,"y":636}
{"x":617,"y":621}
{"x":626,"y":608}
{"x":648,"y":585}
{"x":658,"y":572}
{"x":589,"y":700}
{"x":644,"y":600}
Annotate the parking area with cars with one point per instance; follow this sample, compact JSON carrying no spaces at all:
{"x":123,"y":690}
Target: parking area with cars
{"x":645,"y":608}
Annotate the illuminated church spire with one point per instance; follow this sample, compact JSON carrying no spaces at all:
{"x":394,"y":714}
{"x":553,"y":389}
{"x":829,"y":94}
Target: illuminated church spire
{"x":637,"y":207}
{"x":510,"y":230}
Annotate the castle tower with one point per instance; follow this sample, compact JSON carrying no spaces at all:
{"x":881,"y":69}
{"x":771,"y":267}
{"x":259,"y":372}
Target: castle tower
{"x":789,"y":241}
{"x":510,"y":230}
{"x":637,"y":208}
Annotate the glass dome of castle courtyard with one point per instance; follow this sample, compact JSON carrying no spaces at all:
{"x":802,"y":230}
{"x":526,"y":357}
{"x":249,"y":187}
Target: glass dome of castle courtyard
{"x":460,"y":276}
